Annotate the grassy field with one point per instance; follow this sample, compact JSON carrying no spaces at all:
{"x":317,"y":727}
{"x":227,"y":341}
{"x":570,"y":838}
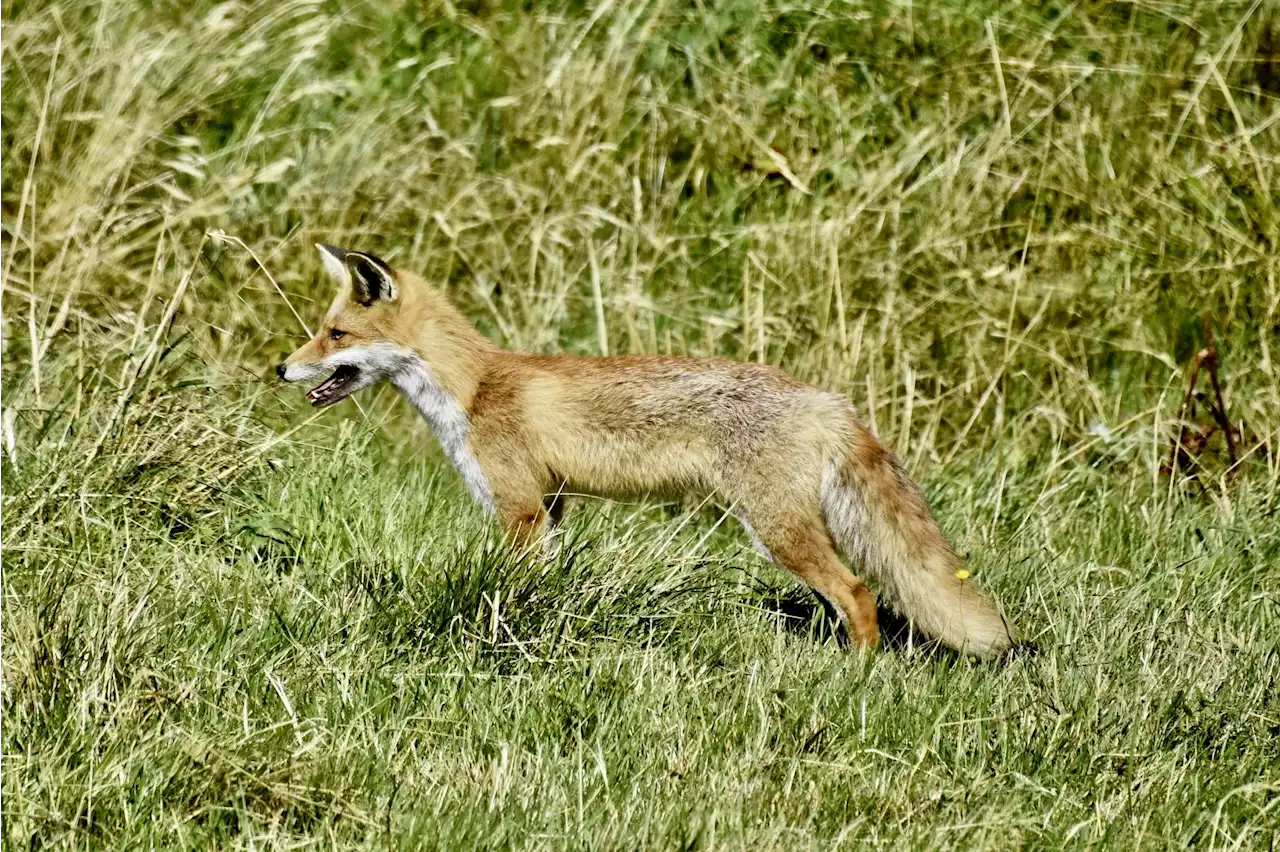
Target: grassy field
{"x":232,"y":622}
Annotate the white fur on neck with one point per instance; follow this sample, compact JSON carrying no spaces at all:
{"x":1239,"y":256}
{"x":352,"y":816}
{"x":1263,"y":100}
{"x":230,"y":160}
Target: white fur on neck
{"x":448,"y":420}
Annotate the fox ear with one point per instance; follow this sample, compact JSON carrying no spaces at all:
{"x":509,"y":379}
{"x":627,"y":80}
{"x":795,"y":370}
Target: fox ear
{"x":371,"y":278}
{"x":334,"y":263}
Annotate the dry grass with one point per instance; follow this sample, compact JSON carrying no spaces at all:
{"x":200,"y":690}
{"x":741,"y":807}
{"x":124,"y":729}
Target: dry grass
{"x":227,"y":622}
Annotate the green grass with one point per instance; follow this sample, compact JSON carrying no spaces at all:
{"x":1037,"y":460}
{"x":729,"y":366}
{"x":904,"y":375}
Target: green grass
{"x":230,"y":622}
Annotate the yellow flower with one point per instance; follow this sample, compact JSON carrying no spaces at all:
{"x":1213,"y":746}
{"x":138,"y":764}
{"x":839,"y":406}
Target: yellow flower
{"x":962,"y":574}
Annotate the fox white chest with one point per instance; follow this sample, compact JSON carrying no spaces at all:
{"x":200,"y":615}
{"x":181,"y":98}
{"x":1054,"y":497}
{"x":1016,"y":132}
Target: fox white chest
{"x":449,"y":421}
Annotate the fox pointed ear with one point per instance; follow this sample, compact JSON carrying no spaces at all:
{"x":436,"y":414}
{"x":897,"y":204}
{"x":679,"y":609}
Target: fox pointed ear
{"x":371,"y":278}
{"x":334,"y":263}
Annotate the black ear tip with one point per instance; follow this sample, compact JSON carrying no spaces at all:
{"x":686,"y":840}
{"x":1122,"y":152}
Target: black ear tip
{"x":339,"y":253}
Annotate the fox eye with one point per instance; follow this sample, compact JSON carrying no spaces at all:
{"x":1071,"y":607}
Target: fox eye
{"x":337,"y":334}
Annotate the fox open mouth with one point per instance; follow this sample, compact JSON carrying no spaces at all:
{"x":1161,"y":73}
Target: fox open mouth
{"x":334,"y":388}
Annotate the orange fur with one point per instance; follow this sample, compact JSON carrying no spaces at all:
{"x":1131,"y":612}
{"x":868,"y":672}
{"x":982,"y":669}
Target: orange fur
{"x":791,"y":461}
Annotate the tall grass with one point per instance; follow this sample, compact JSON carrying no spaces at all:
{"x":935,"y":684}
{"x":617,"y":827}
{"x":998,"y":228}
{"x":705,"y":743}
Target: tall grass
{"x":999,"y":228}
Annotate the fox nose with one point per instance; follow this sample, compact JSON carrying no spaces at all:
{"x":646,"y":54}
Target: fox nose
{"x":280,"y":369}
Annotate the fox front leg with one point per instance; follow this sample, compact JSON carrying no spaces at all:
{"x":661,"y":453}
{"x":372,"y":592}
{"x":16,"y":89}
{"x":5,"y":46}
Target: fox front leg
{"x":527,"y":525}
{"x":524,"y":524}
{"x":519,"y":505}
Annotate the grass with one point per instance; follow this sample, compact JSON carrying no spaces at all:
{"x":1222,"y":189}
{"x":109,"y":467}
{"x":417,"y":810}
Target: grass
{"x":230,"y":622}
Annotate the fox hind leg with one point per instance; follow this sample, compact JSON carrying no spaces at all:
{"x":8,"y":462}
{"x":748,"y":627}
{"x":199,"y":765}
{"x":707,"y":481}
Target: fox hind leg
{"x":803,"y":546}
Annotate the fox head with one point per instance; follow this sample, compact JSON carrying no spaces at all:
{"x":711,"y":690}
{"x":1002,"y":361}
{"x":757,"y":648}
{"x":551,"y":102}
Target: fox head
{"x":358,"y":344}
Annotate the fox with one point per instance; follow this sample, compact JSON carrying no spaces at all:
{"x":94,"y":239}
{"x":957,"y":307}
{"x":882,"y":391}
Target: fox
{"x":793,"y":463}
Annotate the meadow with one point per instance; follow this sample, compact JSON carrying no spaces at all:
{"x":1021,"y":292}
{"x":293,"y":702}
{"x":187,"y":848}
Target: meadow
{"x":1004,"y":230}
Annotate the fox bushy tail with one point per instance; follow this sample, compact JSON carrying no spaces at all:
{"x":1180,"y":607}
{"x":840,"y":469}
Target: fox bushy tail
{"x":880,"y":520}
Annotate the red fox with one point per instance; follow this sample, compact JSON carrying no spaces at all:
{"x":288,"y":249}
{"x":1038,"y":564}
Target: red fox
{"x":793,"y":463}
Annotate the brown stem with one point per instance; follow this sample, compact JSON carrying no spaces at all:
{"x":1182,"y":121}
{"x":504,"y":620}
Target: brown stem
{"x":1220,"y":410}
{"x":1183,"y":411}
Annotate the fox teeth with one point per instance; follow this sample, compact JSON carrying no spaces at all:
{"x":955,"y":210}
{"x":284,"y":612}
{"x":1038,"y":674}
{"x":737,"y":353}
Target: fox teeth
{"x":326,"y":390}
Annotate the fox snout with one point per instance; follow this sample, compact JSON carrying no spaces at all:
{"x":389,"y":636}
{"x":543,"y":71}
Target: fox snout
{"x":301,"y":369}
